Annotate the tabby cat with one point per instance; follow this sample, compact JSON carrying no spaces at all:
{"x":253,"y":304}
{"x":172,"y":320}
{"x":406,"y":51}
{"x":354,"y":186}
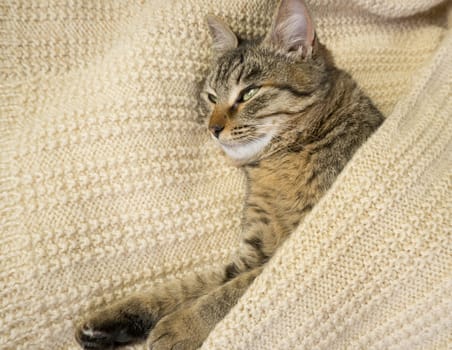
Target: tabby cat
{"x":282,"y":110}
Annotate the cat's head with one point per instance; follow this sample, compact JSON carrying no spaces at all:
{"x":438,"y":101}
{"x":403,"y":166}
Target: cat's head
{"x":256,"y":91}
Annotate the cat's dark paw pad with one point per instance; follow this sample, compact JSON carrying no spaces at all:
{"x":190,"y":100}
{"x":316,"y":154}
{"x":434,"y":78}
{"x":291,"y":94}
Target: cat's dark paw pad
{"x":90,"y":338}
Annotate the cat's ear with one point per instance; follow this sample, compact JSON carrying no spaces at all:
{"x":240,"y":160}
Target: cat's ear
{"x":223,"y":38}
{"x":293,"y":28}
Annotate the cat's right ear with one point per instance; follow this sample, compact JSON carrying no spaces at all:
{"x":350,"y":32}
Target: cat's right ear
{"x":223,"y":39}
{"x":293,"y":28}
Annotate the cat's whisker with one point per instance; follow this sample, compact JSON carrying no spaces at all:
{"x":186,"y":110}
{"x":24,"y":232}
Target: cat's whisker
{"x":279,"y":114}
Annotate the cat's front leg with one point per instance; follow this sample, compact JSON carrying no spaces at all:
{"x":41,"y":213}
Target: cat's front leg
{"x":188,"y":327}
{"x":132,"y":318}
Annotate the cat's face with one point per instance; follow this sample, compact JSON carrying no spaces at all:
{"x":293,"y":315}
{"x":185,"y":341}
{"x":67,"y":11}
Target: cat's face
{"x":255,"y":90}
{"x":240,"y":103}
{"x":250,"y":95}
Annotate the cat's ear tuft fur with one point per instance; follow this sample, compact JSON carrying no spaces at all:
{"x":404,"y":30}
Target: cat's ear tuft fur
{"x":293,"y":28}
{"x":223,"y":38}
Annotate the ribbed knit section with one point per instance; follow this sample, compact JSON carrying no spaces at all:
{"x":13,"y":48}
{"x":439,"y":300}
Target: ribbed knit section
{"x":109,"y":181}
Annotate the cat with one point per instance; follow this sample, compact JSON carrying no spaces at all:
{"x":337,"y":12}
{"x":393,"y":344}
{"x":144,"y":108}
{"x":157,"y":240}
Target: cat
{"x":282,"y":111}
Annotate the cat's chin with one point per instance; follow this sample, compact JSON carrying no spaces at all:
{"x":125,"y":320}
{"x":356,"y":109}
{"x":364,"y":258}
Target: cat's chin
{"x":243,"y":153}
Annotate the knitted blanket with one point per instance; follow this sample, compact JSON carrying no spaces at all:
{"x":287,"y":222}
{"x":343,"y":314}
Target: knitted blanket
{"x":109,"y":182}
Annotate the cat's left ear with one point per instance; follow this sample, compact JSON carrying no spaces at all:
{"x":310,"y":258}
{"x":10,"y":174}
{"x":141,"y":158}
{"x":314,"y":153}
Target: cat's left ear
{"x":293,"y":28}
{"x":223,"y":38}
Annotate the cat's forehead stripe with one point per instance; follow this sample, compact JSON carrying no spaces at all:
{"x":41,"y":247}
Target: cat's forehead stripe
{"x":239,"y":75}
{"x":227,"y":67}
{"x":223,"y":70}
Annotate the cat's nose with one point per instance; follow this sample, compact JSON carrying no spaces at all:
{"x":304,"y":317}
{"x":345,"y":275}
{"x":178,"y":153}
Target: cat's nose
{"x":216,"y":129}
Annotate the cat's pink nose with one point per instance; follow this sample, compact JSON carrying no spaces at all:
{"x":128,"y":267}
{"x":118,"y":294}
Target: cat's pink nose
{"x":216,"y":129}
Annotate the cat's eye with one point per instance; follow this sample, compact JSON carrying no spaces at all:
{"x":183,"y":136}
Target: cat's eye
{"x":212,"y":98}
{"x":248,"y":94}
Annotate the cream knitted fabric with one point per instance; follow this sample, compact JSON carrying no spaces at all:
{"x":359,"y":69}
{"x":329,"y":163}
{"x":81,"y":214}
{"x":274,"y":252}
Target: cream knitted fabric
{"x":109,"y":183}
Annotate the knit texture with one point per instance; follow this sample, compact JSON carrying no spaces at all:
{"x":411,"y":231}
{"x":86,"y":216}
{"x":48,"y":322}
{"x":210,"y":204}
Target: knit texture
{"x":109,"y":182}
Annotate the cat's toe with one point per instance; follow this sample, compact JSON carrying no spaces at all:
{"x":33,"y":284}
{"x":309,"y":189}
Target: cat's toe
{"x":174,"y":333}
{"x":168,"y":340}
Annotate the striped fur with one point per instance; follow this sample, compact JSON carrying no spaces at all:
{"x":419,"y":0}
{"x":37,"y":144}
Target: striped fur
{"x":292,"y":120}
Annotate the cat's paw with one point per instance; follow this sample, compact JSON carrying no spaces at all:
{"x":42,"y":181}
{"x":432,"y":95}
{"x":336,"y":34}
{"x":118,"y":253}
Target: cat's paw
{"x":114,"y":326}
{"x":90,"y":338}
{"x":179,"y":330}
